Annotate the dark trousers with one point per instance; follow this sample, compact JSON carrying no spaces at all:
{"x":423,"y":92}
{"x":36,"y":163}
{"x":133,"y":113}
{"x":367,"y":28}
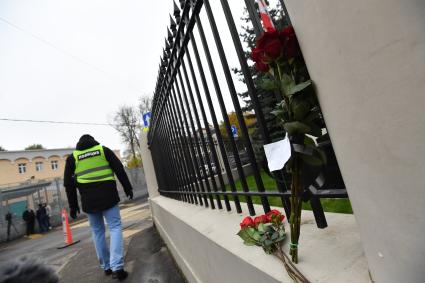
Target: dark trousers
{"x":9,"y":225}
{"x":42,"y":224}
{"x":30,"y":228}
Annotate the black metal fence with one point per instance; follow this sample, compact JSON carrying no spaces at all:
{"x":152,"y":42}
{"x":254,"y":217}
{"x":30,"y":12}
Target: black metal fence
{"x":195,"y":156}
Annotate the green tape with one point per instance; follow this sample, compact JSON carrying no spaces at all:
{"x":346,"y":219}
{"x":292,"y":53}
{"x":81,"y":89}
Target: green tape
{"x":293,"y":246}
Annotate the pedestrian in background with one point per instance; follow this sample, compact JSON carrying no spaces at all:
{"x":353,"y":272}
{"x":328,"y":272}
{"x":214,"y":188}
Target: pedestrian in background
{"x":92,"y":169}
{"x":29,"y":217}
{"x":8,"y":218}
{"x":48,"y":215}
{"x":41,"y":218}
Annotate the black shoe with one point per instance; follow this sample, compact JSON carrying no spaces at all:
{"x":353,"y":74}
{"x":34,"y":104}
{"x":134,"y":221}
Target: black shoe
{"x":108,"y":272}
{"x":120,"y":274}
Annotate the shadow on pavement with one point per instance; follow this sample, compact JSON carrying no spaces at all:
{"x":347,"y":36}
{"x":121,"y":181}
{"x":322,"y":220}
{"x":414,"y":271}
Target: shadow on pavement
{"x":147,"y":260}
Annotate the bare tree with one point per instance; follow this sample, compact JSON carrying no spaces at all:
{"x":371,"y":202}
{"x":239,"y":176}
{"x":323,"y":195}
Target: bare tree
{"x":145,"y":104}
{"x":126,"y":122}
{"x":2,"y":148}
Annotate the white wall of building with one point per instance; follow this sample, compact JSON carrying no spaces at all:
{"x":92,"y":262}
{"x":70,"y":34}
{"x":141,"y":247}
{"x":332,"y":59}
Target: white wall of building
{"x":367,"y":59}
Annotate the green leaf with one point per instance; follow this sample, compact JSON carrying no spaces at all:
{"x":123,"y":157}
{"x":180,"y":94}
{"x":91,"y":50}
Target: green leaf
{"x":275,"y":236}
{"x":280,"y":239}
{"x":261,"y":227}
{"x":287,"y":80}
{"x":244,"y":234}
{"x":313,"y":115}
{"x":269,"y":85}
{"x":270,"y":229}
{"x":287,"y":84}
{"x":300,"y":108}
{"x":249,"y":243}
{"x":312,"y":160}
{"x":309,"y":141}
{"x":322,"y":155}
{"x":296,"y":128}
{"x":299,"y":87}
{"x":254,"y":234}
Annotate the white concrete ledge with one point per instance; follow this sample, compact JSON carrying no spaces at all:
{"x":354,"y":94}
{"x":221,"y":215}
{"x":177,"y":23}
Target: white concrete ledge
{"x":207,"y":249}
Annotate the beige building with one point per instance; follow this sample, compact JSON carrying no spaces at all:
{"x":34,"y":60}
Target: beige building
{"x":40,"y":164}
{"x":25,"y":165}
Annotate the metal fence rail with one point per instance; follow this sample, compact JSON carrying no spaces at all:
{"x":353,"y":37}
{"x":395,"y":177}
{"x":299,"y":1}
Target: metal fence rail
{"x":190,"y":157}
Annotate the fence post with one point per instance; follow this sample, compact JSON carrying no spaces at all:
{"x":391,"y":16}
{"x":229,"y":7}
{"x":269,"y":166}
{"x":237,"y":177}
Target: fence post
{"x":39,"y":197}
{"x":58,"y":193}
{"x":46,"y":195}
{"x":148,"y":167}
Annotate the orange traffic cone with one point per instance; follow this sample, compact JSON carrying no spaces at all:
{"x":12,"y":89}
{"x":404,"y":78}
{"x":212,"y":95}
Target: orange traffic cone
{"x":66,"y":230}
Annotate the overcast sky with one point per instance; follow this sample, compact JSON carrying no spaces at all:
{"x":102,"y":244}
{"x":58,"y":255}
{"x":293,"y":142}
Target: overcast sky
{"x":79,"y":61}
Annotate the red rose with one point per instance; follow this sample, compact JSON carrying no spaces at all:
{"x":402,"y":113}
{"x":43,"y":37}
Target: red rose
{"x":289,"y":40}
{"x":257,"y":55}
{"x":275,"y":214}
{"x":260,"y":219}
{"x":288,"y":31}
{"x":271,"y":213}
{"x":292,"y":48}
{"x":267,"y":37}
{"x":271,"y":44}
{"x":262,"y":67}
{"x":247,"y":222}
{"x":273,"y":49}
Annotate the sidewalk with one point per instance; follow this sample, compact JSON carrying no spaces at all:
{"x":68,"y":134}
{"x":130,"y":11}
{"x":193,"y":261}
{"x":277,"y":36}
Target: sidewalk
{"x":147,"y":260}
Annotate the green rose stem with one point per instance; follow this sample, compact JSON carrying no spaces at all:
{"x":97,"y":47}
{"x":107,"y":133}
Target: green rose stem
{"x":296,"y":205}
{"x":296,"y":186}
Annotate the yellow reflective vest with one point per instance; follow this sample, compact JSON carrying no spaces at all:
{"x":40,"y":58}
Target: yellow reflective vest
{"x":91,"y":165}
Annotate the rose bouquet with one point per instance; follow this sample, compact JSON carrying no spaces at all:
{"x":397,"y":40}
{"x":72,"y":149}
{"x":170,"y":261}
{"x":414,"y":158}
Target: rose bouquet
{"x":278,"y":55}
{"x":268,"y":231}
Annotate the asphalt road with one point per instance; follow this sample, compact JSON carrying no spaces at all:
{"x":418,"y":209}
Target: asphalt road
{"x":44,"y":248}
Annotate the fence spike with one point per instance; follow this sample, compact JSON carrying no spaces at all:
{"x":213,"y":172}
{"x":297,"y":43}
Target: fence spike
{"x":173,"y":24}
{"x":170,"y":36}
{"x":176,"y":13}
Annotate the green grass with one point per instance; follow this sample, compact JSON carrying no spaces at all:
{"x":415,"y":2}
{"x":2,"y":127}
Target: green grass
{"x":329,"y":205}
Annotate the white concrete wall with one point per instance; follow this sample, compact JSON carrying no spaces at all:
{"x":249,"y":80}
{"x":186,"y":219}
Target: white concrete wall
{"x":367,"y":59}
{"x":206,"y":248}
{"x":148,"y":168}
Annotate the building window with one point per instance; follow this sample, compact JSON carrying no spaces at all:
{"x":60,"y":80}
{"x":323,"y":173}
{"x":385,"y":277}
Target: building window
{"x":55,"y":165}
{"x":38,"y":166}
{"x":22,"y":168}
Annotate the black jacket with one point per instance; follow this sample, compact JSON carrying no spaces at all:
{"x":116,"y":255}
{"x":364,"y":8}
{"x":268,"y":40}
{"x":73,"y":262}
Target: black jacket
{"x":97,"y":196}
{"x":41,"y":213}
{"x":28,"y":216}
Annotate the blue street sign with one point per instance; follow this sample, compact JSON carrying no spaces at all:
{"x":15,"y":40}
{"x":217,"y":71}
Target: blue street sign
{"x":234,"y":131}
{"x":147,"y":119}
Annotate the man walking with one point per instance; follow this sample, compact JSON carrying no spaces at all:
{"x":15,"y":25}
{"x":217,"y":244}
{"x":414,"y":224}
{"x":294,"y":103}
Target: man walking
{"x":91,"y":169}
{"x":29,"y":218}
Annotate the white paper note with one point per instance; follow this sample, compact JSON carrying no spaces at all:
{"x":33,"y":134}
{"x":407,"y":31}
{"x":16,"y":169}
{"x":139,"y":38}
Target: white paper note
{"x":278,"y":153}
